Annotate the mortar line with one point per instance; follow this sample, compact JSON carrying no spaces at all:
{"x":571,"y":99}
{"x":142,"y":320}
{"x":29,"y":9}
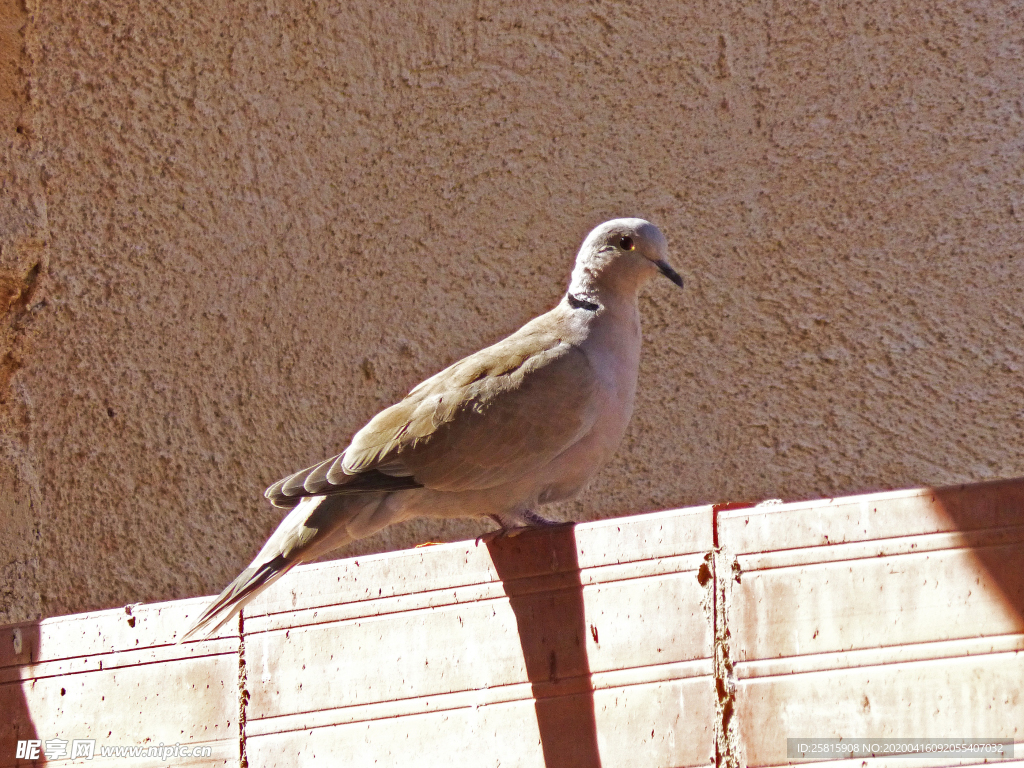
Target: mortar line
{"x":722,"y":571}
{"x":243,"y":693}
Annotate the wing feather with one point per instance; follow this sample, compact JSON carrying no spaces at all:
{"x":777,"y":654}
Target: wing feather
{"x":487,"y":420}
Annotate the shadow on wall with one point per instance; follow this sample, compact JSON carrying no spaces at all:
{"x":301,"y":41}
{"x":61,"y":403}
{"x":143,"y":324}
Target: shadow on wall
{"x":997,"y":505}
{"x":20,"y":650}
{"x":546,"y":594}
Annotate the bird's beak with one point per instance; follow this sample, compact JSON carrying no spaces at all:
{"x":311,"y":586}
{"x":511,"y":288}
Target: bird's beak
{"x":668,"y":272}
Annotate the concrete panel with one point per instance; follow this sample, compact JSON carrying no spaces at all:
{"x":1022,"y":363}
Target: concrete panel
{"x":878,"y":516}
{"x":660,"y":542}
{"x":976,"y":697}
{"x":116,"y":677}
{"x":591,"y":637}
{"x":654,"y":725}
{"x":884,"y":601}
{"x":889,"y":615}
{"x":637,"y":623}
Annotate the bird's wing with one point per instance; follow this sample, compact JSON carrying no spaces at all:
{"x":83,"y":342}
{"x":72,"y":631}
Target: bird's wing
{"x":487,"y":420}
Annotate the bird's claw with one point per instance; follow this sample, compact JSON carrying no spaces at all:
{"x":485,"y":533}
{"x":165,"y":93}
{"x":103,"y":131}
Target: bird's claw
{"x":501,"y":533}
{"x":510,"y":532}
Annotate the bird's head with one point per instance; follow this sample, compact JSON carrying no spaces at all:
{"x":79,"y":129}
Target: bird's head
{"x":621,"y":255}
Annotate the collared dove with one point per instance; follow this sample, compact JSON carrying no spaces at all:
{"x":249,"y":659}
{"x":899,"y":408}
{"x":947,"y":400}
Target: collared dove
{"x":524,"y":422}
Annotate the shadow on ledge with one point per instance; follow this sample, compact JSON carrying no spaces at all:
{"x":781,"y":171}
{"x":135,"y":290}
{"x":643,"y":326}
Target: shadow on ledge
{"x":984,"y":507}
{"x":540,"y":574}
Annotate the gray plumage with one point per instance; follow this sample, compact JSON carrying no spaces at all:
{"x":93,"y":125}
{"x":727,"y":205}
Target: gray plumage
{"x":524,"y":422}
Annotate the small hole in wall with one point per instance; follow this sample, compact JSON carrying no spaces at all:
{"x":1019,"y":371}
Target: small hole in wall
{"x":110,"y":412}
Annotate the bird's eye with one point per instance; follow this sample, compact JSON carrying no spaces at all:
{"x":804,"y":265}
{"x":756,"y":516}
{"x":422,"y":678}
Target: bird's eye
{"x":626,"y":243}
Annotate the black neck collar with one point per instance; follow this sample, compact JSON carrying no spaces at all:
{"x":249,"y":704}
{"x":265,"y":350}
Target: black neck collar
{"x":578,"y":303}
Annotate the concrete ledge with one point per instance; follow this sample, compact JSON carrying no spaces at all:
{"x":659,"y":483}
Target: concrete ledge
{"x":679,"y":638}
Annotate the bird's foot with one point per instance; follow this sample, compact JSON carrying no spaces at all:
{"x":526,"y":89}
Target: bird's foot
{"x":506,"y":531}
{"x":502,"y":533}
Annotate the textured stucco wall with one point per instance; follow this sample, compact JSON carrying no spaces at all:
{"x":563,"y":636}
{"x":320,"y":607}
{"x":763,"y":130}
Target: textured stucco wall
{"x":233,"y":231}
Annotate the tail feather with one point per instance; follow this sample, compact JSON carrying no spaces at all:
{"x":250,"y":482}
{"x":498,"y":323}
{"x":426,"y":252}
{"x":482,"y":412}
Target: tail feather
{"x":317,"y":525}
{"x":244,"y":588}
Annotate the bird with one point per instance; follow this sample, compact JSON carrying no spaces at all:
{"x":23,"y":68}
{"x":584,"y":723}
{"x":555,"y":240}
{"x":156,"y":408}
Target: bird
{"x":524,"y":422}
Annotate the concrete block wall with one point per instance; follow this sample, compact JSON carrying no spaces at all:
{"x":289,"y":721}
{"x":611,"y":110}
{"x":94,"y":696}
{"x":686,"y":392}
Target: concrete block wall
{"x":682,"y":638}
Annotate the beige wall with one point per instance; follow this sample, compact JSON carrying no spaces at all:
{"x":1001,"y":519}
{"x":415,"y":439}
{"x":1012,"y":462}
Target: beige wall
{"x":258,"y":223}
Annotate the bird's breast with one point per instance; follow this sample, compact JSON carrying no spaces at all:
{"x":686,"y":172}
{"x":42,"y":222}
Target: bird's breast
{"x":613,"y":351}
{"x":612,"y":346}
